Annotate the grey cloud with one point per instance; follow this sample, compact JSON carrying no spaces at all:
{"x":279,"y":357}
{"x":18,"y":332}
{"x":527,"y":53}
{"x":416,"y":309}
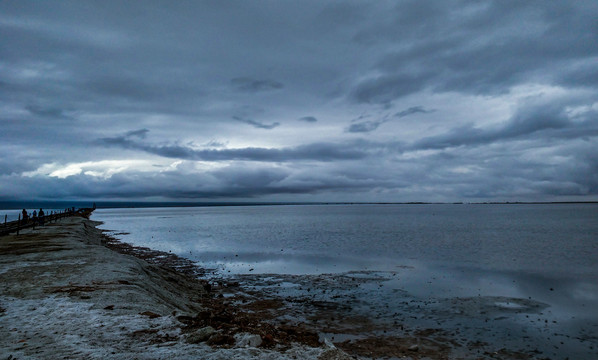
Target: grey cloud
{"x":253,"y":85}
{"x":231,"y":182}
{"x":123,"y":87}
{"x":386,"y":88}
{"x":585,"y":75}
{"x":16,"y":165}
{"x":364,"y":126}
{"x":360,"y":126}
{"x":482,"y":48}
{"x":47,"y":112}
{"x":310,"y":119}
{"x":489,"y":173}
{"x":543,"y":121}
{"x":413,"y":110}
{"x":256,"y":124}
{"x":216,"y":144}
{"x":316,"y":151}
{"x":141,"y":133}
{"x":493,"y":176}
{"x":111,"y":67}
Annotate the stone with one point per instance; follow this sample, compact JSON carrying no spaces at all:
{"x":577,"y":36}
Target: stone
{"x":268,"y":340}
{"x":249,"y":340}
{"x":221,"y":339}
{"x":413,"y":348}
{"x":201,"y":335}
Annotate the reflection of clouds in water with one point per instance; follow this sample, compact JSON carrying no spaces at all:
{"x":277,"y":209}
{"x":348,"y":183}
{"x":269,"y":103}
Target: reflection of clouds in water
{"x":243,"y":262}
{"x":567,"y":298}
{"x":585,"y":291}
{"x":388,"y":298}
{"x":493,"y":305}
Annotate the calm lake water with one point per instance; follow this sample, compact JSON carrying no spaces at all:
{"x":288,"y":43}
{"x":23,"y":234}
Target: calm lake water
{"x":304,"y":239}
{"x":533,"y":268}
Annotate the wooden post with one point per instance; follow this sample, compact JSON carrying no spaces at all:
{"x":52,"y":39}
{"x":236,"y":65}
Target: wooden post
{"x":18,"y":224}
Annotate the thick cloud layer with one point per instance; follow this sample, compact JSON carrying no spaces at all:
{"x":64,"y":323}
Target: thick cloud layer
{"x":307,"y":101}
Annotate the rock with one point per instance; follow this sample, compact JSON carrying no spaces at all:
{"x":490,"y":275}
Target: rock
{"x":207,"y":287}
{"x":221,"y":339}
{"x":201,"y":335}
{"x":414,"y":347}
{"x":268,"y":340}
{"x":248,"y":340}
{"x":109,"y":307}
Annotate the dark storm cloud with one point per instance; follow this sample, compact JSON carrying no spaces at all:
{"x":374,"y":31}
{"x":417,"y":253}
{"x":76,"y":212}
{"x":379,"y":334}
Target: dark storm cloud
{"x":513,"y":85}
{"x":256,"y":124}
{"x":543,"y":121}
{"x":231,"y":182}
{"x":254,"y":85}
{"x":310,"y":119}
{"x":490,"y":177}
{"x":482,"y":47}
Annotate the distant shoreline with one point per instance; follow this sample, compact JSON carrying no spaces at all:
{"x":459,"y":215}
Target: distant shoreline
{"x":30,"y":204}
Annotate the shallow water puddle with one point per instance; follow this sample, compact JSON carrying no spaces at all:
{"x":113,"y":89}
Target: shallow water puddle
{"x":358,"y":306}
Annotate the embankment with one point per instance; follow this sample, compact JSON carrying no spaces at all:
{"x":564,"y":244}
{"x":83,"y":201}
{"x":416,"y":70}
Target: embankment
{"x":63,"y":294}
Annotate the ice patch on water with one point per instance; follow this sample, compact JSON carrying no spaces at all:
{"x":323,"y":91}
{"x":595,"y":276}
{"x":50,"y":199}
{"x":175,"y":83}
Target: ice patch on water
{"x":509,"y":305}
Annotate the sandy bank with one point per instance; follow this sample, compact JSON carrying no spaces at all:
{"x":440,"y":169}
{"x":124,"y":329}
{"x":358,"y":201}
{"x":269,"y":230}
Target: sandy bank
{"x":64,"y":295}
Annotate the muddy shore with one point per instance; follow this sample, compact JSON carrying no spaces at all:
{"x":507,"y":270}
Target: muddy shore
{"x":67,"y":291}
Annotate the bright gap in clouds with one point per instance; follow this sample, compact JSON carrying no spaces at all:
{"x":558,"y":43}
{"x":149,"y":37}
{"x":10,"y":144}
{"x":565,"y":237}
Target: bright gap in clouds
{"x":107,"y":168}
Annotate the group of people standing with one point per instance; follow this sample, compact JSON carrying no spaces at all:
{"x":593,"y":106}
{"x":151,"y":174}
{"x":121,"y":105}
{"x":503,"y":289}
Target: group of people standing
{"x":36,"y":217}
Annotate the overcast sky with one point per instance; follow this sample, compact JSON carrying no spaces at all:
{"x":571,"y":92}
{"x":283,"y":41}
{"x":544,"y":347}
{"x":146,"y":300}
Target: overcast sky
{"x":299,"y":100}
